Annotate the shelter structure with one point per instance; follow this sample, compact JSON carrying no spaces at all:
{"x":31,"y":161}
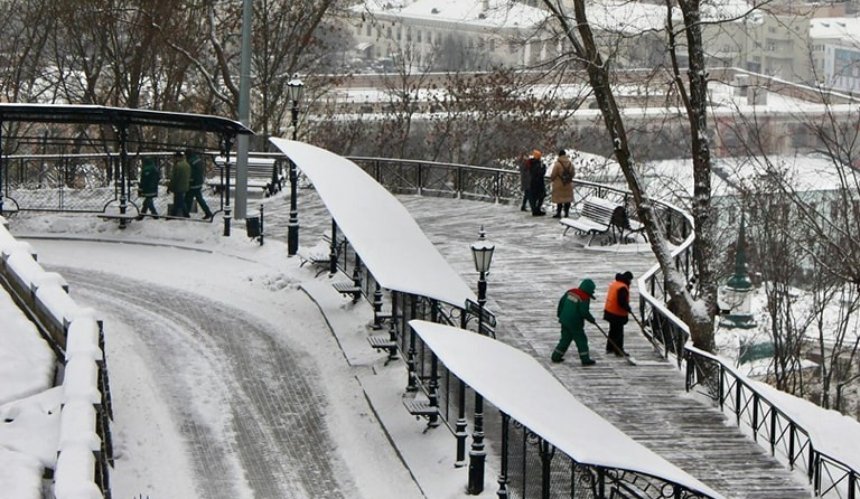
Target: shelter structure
{"x":111,"y":131}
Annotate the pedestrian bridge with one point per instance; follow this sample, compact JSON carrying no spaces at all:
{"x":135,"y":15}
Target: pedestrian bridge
{"x":654,"y":402}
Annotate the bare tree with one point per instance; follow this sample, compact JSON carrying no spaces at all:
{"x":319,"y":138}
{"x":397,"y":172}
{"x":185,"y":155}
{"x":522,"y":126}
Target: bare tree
{"x":697,"y":311}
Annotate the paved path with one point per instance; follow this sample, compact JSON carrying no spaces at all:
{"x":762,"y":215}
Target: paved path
{"x":532,"y":266}
{"x":277,"y":433}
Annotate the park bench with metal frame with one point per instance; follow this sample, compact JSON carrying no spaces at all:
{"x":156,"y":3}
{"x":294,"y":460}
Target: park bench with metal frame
{"x":599,"y":216}
{"x":265,"y":174}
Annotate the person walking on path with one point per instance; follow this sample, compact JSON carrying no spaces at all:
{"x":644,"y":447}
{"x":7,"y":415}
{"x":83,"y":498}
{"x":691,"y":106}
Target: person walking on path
{"x":572,"y":314}
{"x":179,"y":181}
{"x":148,"y":187}
{"x":525,"y":180}
{"x":616,"y":310}
{"x":195,"y":187}
{"x":537,"y":188}
{"x":561,"y":176}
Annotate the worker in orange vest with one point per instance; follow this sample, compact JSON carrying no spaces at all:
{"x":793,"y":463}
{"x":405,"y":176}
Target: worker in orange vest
{"x":616,"y":310}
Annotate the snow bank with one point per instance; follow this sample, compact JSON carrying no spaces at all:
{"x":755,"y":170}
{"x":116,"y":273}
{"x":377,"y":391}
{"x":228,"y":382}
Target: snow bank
{"x":26,"y":360}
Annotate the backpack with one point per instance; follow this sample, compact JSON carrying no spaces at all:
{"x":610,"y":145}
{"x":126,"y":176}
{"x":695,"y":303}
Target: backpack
{"x":566,"y":175}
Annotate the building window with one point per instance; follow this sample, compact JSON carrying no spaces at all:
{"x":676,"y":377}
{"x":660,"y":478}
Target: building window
{"x":418,"y":36}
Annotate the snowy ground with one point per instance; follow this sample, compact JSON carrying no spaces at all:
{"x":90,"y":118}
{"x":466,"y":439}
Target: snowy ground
{"x":211,"y":340}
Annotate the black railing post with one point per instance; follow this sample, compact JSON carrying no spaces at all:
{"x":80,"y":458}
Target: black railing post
{"x":811,"y":464}
{"x":332,"y":257}
{"x":460,"y":426}
{"x":721,"y":389}
{"x":773,"y":431}
{"x":293,"y":223}
{"x":123,"y":174}
{"x":228,"y":211}
{"x":502,"y":493}
{"x":738,"y":401}
{"x":755,"y":416}
{"x":433,"y":390}
{"x":546,"y":455}
{"x":411,"y":385}
{"x":420,"y":179}
{"x":791,"y":432}
{"x":477,"y":454}
{"x":377,"y":306}
{"x":852,"y":485}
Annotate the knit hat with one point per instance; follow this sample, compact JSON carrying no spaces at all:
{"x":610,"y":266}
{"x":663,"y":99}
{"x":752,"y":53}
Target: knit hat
{"x":626,"y":277}
{"x":587,"y":285}
{"x":562,"y":152}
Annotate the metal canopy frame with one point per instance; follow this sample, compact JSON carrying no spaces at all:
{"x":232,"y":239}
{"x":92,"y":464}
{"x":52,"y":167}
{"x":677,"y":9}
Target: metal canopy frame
{"x":120,"y":120}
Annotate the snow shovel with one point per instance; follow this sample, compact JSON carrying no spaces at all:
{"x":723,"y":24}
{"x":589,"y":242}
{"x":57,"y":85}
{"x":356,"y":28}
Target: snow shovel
{"x":630,"y":360}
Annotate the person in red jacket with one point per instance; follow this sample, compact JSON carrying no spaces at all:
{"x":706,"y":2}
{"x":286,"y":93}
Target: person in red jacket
{"x":616,"y":310}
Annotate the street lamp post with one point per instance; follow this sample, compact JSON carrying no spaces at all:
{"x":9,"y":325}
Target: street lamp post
{"x":482,"y":253}
{"x":296,"y":88}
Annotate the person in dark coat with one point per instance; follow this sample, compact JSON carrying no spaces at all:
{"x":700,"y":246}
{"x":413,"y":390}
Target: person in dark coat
{"x":195,"y":187}
{"x":525,"y":180}
{"x":572,"y":313}
{"x":616,"y":310}
{"x":537,"y":187}
{"x":180,"y":178}
{"x":148,"y":187}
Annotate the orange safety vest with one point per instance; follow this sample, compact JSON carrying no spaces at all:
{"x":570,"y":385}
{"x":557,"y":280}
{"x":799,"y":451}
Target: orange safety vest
{"x":612,"y":306}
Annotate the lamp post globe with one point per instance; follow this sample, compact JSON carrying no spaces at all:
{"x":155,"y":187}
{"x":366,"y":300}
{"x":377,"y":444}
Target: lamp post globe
{"x":296,"y":89}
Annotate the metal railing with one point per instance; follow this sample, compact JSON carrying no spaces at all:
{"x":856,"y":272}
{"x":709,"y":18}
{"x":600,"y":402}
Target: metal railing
{"x":761,"y":418}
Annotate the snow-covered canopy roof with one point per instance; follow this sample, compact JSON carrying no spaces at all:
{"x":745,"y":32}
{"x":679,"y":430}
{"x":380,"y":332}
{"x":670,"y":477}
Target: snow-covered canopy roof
{"x":519,"y":386}
{"x":383,"y":233}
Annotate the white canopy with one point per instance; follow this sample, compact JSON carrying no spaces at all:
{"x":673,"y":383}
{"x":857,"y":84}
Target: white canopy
{"x":383,"y":233}
{"x":519,"y":386}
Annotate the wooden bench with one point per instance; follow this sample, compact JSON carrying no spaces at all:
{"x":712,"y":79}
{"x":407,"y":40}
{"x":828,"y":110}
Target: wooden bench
{"x":422,"y":409}
{"x":348,"y":288}
{"x":265,"y":174}
{"x":600,"y":216}
{"x":384,"y":342}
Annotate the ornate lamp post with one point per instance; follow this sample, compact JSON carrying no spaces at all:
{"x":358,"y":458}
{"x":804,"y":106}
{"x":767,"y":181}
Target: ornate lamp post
{"x":482,"y":253}
{"x":296,"y":88}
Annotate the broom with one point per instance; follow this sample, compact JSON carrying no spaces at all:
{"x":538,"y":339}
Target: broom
{"x":627,"y":356}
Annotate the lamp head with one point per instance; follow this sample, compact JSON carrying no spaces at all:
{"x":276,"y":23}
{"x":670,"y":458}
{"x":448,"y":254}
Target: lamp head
{"x":296,"y":87}
{"x":482,"y":252}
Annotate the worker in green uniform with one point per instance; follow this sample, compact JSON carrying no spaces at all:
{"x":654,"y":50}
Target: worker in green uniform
{"x":148,"y":187}
{"x":195,"y":188}
{"x":179,"y":181}
{"x":572,"y":314}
